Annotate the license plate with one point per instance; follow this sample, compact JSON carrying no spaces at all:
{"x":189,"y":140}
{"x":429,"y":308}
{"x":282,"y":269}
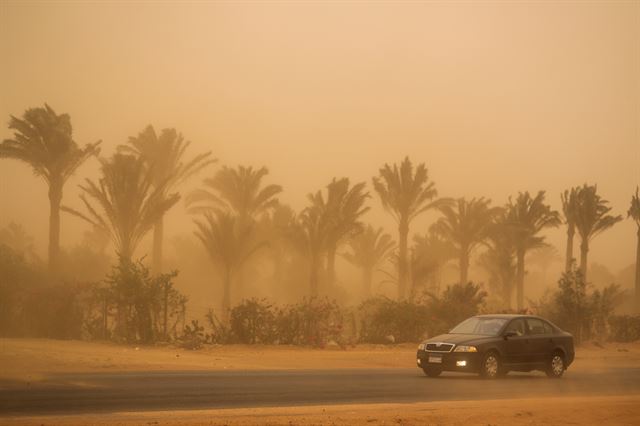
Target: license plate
{"x":435,"y":359}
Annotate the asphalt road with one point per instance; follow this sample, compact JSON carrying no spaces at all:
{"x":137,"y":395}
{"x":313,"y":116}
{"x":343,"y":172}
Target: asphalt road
{"x":110,"y":392}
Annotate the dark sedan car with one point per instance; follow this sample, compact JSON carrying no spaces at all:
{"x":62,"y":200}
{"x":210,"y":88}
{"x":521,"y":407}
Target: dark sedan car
{"x":493,"y":345}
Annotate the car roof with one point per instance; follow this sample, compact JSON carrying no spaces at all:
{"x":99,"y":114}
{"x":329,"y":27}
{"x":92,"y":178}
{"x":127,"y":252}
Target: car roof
{"x":507,"y":316}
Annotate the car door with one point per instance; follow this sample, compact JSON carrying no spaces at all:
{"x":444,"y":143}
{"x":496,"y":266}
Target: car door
{"x":540,"y":339}
{"x":516,"y":347}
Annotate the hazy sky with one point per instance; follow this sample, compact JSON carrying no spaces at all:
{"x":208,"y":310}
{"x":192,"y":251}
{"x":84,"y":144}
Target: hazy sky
{"x":495,"y":98}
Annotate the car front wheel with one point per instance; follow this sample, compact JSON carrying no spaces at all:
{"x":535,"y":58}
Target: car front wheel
{"x":490,"y":367}
{"x":432,"y":371}
{"x":555,"y":366}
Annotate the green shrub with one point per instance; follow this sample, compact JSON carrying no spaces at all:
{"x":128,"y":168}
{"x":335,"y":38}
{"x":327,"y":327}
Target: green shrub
{"x":381,"y":318}
{"x":624,"y":328}
{"x":455,"y":304}
{"x":253,"y":321}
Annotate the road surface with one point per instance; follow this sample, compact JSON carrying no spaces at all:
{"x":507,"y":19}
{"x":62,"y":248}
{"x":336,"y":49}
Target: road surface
{"x":111,"y":392}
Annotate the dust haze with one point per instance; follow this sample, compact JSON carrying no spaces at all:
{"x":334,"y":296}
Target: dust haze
{"x":492,"y":98}
{"x":294,"y":176}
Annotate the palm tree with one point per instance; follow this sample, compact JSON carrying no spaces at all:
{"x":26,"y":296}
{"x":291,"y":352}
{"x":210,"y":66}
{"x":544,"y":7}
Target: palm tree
{"x":634,"y":213}
{"x":124,"y":203}
{"x":429,"y":254}
{"x":16,"y":237}
{"x":309,"y":234}
{"x":344,"y":208}
{"x":569,"y":202}
{"x":544,"y":257}
{"x":44,"y":140}
{"x":465,"y":225}
{"x":592,"y":218}
{"x":369,"y":249}
{"x":275,"y":228}
{"x":526,"y":218}
{"x":230,"y":242}
{"x":164,"y":157}
{"x":499,"y":260}
{"x":405,"y":195}
{"x":237,"y":190}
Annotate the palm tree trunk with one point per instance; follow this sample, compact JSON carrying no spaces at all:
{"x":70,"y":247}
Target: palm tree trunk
{"x":158,"y":236}
{"x":638,"y":274}
{"x":464,"y":266}
{"x":313,"y":275}
{"x":520,"y":280}
{"x":367,"y":279}
{"x":569,"y":255}
{"x":226,"y":296}
{"x":55,"y":197}
{"x":331,"y":264}
{"x":166,"y":312}
{"x":402,"y":259}
{"x":584,"y":252}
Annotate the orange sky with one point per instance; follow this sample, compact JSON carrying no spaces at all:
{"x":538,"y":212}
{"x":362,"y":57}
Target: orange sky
{"x":493,"y":97}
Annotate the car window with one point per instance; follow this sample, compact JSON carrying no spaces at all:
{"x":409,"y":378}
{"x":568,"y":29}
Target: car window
{"x":547,"y":328}
{"x":516,"y":326}
{"x":480,"y":325}
{"x":537,"y":326}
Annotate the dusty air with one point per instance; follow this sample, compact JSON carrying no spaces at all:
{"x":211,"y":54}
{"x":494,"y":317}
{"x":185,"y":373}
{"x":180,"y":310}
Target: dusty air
{"x":319,"y":213}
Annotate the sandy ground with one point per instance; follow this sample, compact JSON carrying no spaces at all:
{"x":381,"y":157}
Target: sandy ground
{"x":557,"y":411}
{"x":28,"y":359}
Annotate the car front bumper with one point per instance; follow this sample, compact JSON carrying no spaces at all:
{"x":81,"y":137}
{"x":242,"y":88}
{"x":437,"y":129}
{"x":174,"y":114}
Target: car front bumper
{"x":449,"y":361}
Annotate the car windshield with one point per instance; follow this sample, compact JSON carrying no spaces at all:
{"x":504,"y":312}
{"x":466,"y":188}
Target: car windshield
{"x":479,"y":325}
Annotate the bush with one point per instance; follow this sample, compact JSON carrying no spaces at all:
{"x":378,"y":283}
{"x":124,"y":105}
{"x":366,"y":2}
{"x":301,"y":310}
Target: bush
{"x":193,"y":336}
{"x":585,"y":314}
{"x":313,"y":322}
{"x":253,"y":321}
{"x":382,"y":317}
{"x":624,"y":328}
{"x":456,"y":303}
{"x":147,"y":309}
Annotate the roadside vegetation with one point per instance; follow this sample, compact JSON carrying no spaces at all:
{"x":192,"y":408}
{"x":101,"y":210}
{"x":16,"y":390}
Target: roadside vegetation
{"x":248,"y":235}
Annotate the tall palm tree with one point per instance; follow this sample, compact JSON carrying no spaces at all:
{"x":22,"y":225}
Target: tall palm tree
{"x":230,"y":242}
{"x":165,"y":158}
{"x":275,"y":228}
{"x":499,"y":260}
{"x":569,"y":207}
{"x":405,"y":195}
{"x":124,"y":203}
{"x":634,"y":213}
{"x":344,"y":208}
{"x":465,"y":225}
{"x":309,"y":234}
{"x":16,"y":237}
{"x":429,"y":254}
{"x":369,"y":249}
{"x":238,"y":190}
{"x":526,"y":218}
{"x":592,"y":218}
{"x":44,"y":140}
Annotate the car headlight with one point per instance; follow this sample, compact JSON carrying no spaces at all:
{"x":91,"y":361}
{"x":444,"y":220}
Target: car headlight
{"x":422,"y":347}
{"x":464,"y":348}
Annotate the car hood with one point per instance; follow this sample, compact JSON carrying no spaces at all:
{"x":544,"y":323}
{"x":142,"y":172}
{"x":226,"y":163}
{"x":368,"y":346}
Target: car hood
{"x":460,"y":339}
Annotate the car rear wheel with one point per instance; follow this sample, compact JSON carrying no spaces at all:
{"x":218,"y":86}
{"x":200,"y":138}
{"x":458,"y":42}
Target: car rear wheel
{"x":432,"y":371}
{"x":555,"y":366}
{"x":490,"y":367}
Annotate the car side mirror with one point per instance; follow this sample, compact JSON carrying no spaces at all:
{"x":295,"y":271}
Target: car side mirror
{"x":508,"y":334}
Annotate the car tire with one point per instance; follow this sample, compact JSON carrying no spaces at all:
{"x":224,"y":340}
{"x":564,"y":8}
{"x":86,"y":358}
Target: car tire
{"x":432,"y":371}
{"x":555,"y":365}
{"x":491,"y":367}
